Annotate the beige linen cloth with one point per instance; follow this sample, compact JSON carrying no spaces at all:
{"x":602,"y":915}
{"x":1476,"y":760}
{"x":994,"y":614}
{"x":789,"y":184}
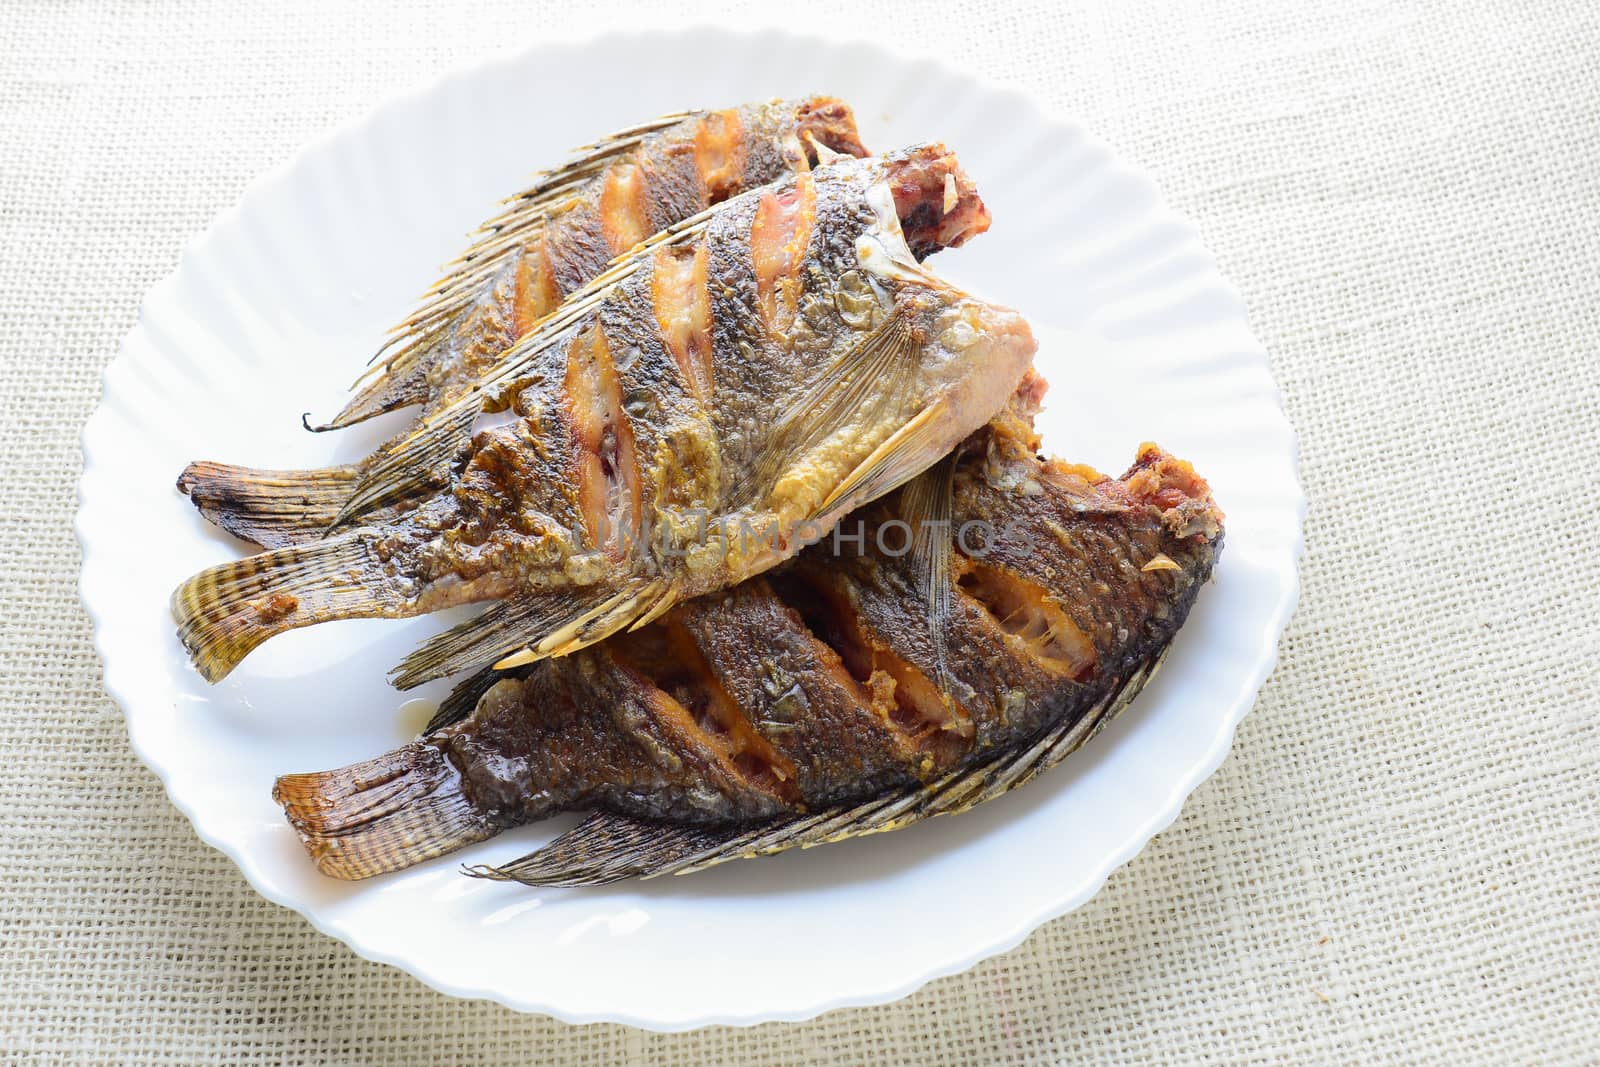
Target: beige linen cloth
{"x":1400,"y":861}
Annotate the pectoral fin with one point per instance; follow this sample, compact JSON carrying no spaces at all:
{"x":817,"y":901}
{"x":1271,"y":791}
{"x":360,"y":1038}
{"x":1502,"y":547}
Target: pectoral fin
{"x":907,"y":453}
{"x":868,"y":377}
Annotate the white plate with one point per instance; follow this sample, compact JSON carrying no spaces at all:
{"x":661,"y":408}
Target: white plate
{"x":273,"y":310}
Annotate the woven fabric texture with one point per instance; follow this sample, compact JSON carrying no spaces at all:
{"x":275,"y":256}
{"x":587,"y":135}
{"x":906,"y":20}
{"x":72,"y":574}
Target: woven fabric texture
{"x":1400,"y":859}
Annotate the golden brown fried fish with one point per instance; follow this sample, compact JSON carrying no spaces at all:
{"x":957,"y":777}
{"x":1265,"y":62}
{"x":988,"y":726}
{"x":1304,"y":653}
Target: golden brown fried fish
{"x":552,"y":239}
{"x":736,"y":384}
{"x":817,"y":702}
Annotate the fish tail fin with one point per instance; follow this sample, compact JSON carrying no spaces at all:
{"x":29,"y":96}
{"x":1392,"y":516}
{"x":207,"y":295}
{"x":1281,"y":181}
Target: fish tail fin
{"x":226,"y":611}
{"x":269,"y":507}
{"x":382,"y":814}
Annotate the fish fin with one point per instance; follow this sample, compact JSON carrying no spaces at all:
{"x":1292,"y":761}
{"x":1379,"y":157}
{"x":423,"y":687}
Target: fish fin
{"x":524,"y":629}
{"x":382,"y":814}
{"x":595,"y":623}
{"x":523,"y":213}
{"x":504,"y":625}
{"x":927,"y":504}
{"x":400,"y":381}
{"x":462,"y":700}
{"x":893,"y":463}
{"x":226,"y":611}
{"x":269,"y":507}
{"x":606,"y":848}
{"x":416,"y":466}
{"x":663,"y":604}
{"x":867,"y":374}
{"x":403,"y":359}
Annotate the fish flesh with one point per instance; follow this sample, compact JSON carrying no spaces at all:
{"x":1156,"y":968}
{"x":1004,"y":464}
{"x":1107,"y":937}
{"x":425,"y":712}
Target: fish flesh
{"x":551,"y":240}
{"x":738,"y":382}
{"x":816,"y":702}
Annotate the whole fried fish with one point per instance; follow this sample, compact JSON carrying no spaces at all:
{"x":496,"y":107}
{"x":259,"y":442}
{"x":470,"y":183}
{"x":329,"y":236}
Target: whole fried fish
{"x":817,"y":702}
{"x":554,"y":238}
{"x":735,"y":384}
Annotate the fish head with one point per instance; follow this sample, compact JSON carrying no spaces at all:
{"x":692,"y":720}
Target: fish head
{"x":903,"y":365}
{"x":920,"y":201}
{"x":1171,"y":485}
{"x":970,"y":355}
{"x":935,"y":202}
{"x":823,"y":128}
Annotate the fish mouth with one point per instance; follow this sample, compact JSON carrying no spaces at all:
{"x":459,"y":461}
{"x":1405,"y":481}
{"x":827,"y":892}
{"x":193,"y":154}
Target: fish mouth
{"x":829,"y":122}
{"x":938,"y":205}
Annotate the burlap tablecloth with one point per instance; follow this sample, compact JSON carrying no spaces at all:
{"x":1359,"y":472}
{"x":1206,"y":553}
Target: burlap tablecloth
{"x":1399,"y":860}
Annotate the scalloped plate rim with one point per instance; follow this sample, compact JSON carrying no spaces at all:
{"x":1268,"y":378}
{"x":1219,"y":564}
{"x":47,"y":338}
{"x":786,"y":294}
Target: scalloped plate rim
{"x":116,"y":685}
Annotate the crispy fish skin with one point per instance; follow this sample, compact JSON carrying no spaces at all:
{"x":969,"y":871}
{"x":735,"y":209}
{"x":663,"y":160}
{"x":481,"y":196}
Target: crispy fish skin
{"x":803,"y":706}
{"x":552,"y":240}
{"x":821,"y":367}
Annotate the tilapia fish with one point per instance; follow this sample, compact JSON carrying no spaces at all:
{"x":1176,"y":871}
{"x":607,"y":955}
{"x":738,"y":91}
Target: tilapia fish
{"x":684,"y":422}
{"x":553,"y":238}
{"x":818,"y":702}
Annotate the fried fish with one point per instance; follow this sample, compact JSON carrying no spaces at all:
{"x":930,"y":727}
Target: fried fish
{"x":738,"y":382}
{"x":818,"y":702}
{"x":550,"y":241}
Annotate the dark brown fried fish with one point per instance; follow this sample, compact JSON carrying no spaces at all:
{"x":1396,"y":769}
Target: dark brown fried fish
{"x":818,"y":702}
{"x":755,"y":374}
{"x":552,"y":239}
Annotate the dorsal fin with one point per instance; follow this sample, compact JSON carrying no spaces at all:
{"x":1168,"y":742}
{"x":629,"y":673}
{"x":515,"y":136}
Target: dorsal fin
{"x":400,"y":360}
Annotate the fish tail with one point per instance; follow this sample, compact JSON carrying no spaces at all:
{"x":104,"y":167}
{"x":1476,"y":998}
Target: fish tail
{"x":269,"y":507}
{"x":382,"y":814}
{"x":226,"y":611}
